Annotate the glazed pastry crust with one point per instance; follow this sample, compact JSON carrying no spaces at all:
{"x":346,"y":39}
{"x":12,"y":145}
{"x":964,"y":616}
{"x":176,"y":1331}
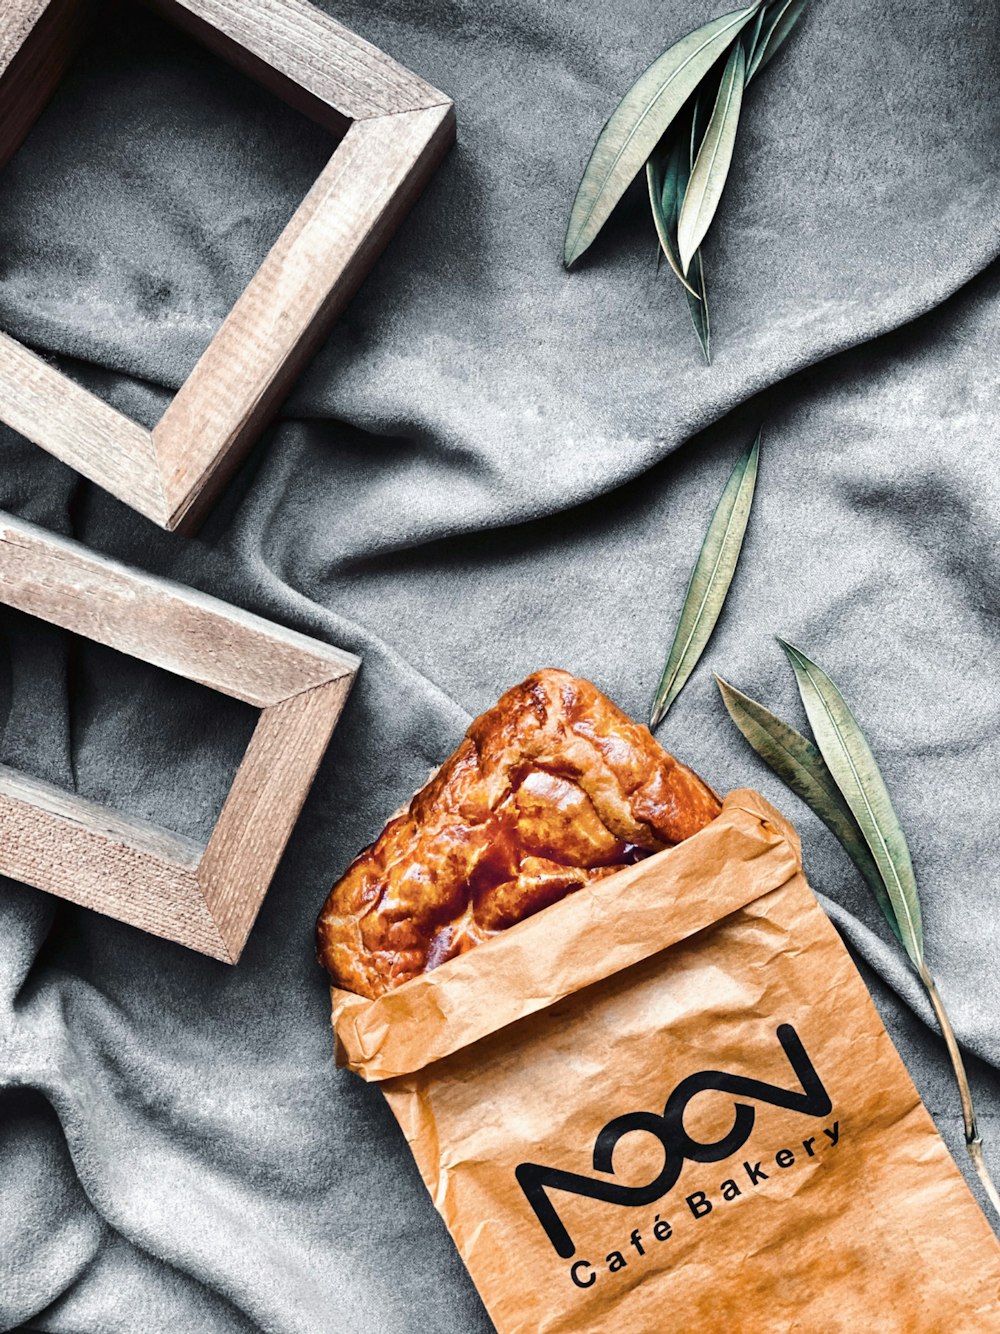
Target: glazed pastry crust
{"x":551,"y":789}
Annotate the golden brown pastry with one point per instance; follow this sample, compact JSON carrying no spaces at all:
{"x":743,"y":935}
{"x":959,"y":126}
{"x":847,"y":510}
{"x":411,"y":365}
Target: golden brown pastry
{"x":552,"y":788}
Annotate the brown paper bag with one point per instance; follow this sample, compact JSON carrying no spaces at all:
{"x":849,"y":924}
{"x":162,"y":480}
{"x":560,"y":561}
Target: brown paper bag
{"x":668,"y":1103}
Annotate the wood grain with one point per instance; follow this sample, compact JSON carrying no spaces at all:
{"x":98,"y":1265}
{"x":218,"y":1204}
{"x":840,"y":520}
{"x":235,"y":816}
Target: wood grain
{"x":79,"y":428}
{"x":304,"y":56}
{"x":205,"y":898}
{"x":263,"y":805}
{"x":178,"y":629}
{"x":85,"y":853}
{"x":306,"y":280}
{"x":395,"y":130}
{"x":38,"y":39}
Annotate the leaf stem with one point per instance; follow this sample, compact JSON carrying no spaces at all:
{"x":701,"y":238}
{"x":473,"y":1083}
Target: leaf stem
{"x":973,"y":1139}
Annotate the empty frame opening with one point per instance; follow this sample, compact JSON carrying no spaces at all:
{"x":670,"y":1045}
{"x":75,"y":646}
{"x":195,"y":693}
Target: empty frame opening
{"x":142,"y":202}
{"x":116,"y":731}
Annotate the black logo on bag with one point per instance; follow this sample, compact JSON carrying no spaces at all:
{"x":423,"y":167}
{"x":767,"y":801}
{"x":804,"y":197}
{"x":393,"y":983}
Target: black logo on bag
{"x":678,"y":1147}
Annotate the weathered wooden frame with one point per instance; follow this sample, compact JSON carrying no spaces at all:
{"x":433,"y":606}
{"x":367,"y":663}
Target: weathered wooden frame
{"x":395,"y":129}
{"x":205,"y":897}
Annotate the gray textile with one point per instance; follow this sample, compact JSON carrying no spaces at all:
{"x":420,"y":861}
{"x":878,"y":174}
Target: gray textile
{"x":482,"y":474}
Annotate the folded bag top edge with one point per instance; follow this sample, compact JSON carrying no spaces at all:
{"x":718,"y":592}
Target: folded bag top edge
{"x":599,"y":930}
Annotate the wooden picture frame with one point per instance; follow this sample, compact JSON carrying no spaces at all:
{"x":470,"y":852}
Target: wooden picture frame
{"x":203,"y":896}
{"x":395,"y":129}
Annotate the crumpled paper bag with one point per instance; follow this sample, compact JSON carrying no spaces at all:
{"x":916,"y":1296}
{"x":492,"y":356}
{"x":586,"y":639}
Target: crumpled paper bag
{"x":667,"y":1102}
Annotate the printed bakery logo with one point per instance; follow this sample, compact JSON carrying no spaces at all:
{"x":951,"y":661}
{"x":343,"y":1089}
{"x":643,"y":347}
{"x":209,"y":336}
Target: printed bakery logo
{"x":810,"y":1099}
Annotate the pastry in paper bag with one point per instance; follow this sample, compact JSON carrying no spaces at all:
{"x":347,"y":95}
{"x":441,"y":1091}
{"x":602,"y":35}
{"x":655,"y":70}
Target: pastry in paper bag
{"x":666,"y":1101}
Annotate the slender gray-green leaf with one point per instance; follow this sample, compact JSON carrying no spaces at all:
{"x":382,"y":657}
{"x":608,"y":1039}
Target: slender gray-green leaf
{"x":640,"y":121}
{"x":686,"y":150}
{"x":701,"y":111}
{"x":667,"y":174}
{"x":663,"y":171}
{"x":708,"y":175}
{"x":698,"y":306}
{"x":850,"y":760}
{"x":778,"y":22}
{"x":751,"y":37}
{"x":710,"y":579}
{"x":698,"y":300}
{"x":801,"y":767}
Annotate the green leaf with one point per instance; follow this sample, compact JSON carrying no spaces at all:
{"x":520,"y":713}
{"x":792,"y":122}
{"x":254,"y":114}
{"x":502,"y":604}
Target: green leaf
{"x":710,"y":579}
{"x":751,"y":38}
{"x":856,"y":773}
{"x":708,"y":175}
{"x":666,"y":176}
{"x":780,"y":20}
{"x":698,"y":306}
{"x":640,"y":121}
{"x":801,"y":767}
{"x":704,"y":100}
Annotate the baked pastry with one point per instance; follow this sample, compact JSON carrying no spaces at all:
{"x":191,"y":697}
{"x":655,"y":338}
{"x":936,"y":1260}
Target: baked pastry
{"x":552,"y":788}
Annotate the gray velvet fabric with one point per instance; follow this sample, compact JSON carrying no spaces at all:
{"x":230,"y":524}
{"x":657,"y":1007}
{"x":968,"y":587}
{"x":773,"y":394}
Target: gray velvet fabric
{"x":492,"y":466}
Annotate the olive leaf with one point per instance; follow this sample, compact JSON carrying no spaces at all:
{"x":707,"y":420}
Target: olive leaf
{"x":693,"y":91}
{"x":715,"y":155}
{"x":698,"y":306}
{"x":709,"y":583}
{"x":750,"y":37}
{"x":846,"y":759}
{"x":701,"y":111}
{"x":853,"y":766}
{"x":773,"y":26}
{"x":640,"y":121}
{"x":801,"y":767}
{"x":667,"y":175}
{"x":666,"y":178}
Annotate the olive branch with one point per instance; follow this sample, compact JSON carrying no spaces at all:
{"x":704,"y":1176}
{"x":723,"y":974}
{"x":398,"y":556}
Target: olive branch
{"x":679,"y":120}
{"x":836,"y":775}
